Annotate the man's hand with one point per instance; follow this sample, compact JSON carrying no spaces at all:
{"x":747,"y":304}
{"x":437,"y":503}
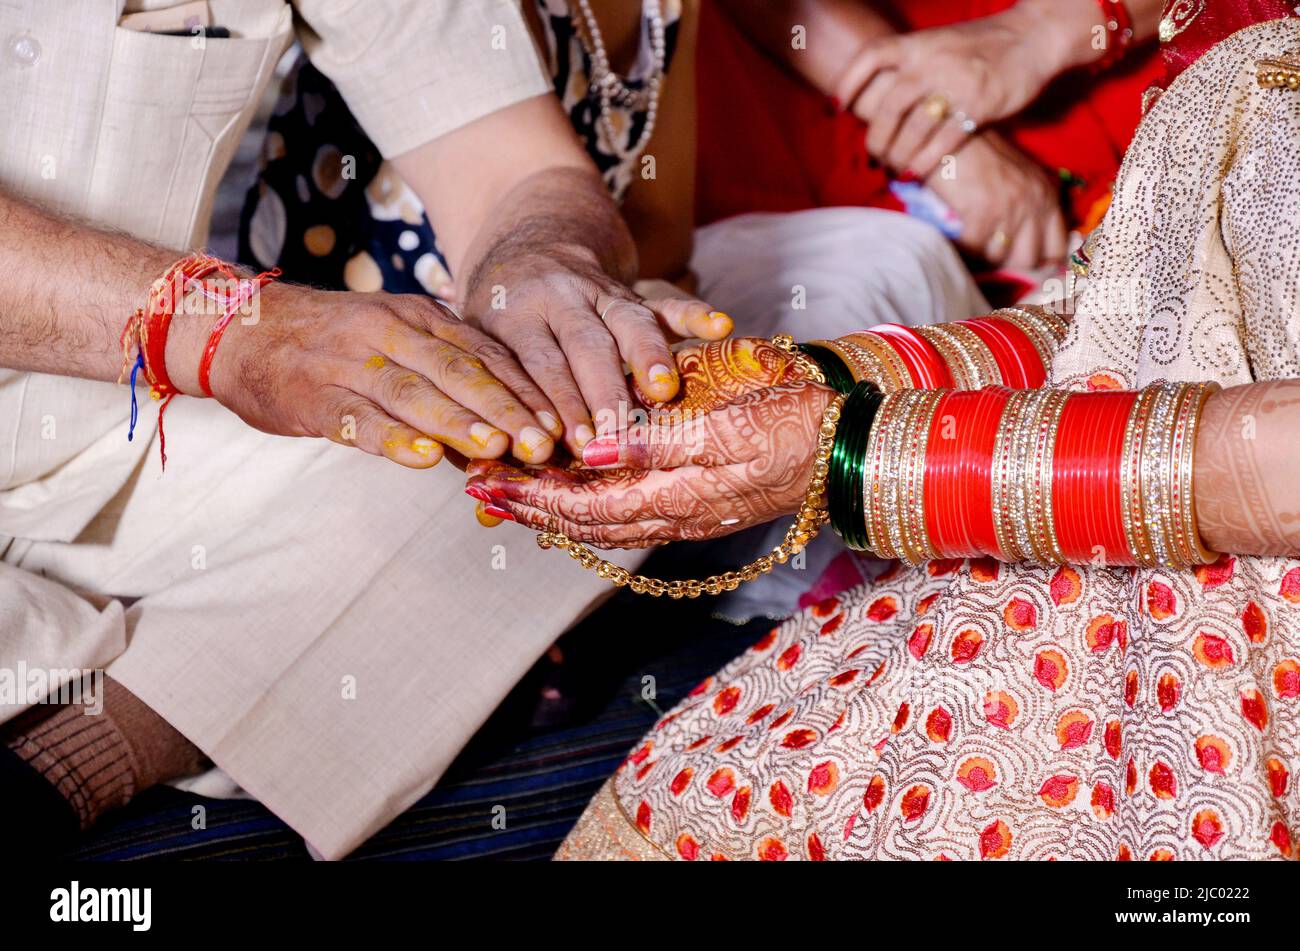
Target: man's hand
{"x":396,"y":375}
{"x":544,"y":261}
{"x":573,"y":327}
{"x":696,"y":476}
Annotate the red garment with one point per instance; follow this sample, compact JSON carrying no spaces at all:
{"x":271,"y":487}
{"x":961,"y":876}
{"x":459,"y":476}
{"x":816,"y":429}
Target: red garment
{"x":1202,"y":25}
{"x":770,"y":142}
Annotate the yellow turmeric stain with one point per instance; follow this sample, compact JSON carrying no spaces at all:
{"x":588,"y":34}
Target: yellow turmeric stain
{"x":375,"y":363}
{"x":749,"y":360}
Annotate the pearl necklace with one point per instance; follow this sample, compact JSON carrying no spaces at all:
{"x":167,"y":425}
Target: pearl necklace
{"x":613,"y":89}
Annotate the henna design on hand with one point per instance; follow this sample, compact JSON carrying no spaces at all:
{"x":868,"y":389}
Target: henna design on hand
{"x":745,"y":462}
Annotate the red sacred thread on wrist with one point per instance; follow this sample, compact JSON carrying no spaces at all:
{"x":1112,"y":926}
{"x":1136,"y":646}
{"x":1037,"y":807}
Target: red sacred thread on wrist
{"x":243,"y":295}
{"x":146,"y":331}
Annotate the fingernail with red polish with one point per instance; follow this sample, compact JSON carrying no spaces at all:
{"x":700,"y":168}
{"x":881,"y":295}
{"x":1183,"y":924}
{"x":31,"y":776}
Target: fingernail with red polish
{"x":497,"y":511}
{"x":600,"y":453}
{"x":478,"y":492}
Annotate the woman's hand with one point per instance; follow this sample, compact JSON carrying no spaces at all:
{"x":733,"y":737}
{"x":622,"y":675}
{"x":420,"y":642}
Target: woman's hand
{"x":697,"y":475}
{"x":715,"y":372}
{"x":1010,"y":208}
{"x":398,"y":376}
{"x":923,"y":93}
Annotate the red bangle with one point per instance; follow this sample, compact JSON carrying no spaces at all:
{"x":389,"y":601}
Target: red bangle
{"x":941,"y":458}
{"x":1119,"y":32}
{"x":977,"y":470}
{"x":1086,"y":477}
{"x":1027,"y":355}
{"x":1005,"y":355}
{"x":924,"y":363}
{"x":958,"y":472}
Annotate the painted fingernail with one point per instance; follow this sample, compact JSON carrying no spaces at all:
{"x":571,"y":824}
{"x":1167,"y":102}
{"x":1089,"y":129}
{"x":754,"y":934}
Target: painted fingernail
{"x":583,"y":434}
{"x":551,"y":423}
{"x":600,"y":453}
{"x":483,"y":434}
{"x":485,"y":518}
{"x":497,"y":511}
{"x":533,"y":445}
{"x":424,"y":445}
{"x":478,"y":492}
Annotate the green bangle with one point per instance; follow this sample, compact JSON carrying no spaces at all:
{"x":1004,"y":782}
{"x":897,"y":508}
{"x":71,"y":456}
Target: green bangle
{"x":838,"y":376}
{"x":864,"y":419}
{"x":848,"y":458}
{"x":837,"y":478}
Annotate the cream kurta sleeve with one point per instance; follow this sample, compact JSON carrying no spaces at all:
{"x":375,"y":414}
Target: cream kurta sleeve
{"x":413,"y":70}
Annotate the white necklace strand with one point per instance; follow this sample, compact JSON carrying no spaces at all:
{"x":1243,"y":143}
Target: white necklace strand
{"x":613,"y":90}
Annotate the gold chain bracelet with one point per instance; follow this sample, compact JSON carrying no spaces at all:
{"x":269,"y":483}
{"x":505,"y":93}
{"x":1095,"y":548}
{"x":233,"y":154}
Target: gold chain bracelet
{"x":812,"y":516}
{"x":785,"y":343}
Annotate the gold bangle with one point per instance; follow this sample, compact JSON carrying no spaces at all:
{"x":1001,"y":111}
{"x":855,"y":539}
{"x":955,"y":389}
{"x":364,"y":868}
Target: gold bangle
{"x":861,"y":363}
{"x":1200,"y":554}
{"x":1006,"y":479}
{"x":1155,"y":472}
{"x":961,"y":366}
{"x":900,"y":378}
{"x":895,"y":433}
{"x":988,"y":372}
{"x":917,"y":546}
{"x":891,"y":427}
{"x":1044,"y":522}
{"x":874,"y":475}
{"x":1055,"y":326}
{"x":1131,"y":478}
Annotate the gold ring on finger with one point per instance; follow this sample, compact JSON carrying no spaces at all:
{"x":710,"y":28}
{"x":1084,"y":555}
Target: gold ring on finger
{"x":937,"y":106}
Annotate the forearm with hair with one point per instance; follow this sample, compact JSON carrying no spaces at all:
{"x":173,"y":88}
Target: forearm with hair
{"x":66,"y":290}
{"x":1248,"y":469}
{"x":553,"y":211}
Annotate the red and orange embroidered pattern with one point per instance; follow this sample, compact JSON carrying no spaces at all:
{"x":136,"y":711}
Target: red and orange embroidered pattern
{"x":944,"y":714}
